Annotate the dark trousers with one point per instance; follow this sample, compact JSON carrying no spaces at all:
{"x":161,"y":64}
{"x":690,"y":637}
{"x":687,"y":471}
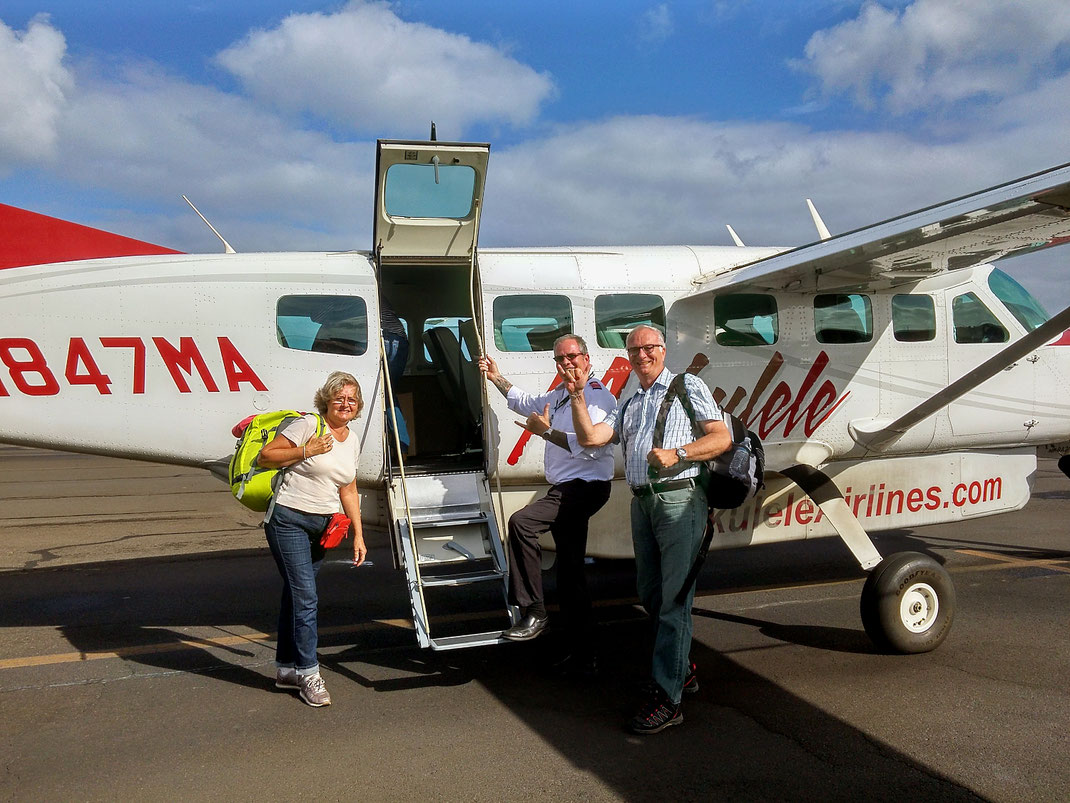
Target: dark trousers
{"x":565,"y":511}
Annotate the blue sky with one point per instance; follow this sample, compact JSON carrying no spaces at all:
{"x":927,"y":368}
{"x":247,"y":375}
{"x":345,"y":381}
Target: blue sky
{"x":610,"y":123}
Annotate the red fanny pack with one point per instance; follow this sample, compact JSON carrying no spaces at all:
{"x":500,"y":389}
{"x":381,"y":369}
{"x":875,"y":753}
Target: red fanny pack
{"x":336,"y":532}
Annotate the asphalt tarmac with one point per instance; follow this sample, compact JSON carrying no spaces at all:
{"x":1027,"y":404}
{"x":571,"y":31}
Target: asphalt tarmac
{"x":137,"y":607}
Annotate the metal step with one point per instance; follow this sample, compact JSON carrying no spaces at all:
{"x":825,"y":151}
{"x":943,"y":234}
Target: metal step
{"x":439,"y":520}
{"x":468,"y":640}
{"x":461,"y":579}
{"x":453,"y":541}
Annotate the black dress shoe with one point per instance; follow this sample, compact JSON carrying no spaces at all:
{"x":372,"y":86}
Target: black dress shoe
{"x":527,"y":628}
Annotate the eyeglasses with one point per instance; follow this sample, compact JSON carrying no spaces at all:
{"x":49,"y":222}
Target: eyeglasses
{"x":560,"y":358}
{"x":344,"y":402}
{"x":648,"y":349}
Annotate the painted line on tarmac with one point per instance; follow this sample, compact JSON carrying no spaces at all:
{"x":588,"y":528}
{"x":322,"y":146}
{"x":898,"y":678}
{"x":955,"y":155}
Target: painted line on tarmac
{"x":998,"y":562}
{"x":181,"y":644}
{"x":1010,"y":562}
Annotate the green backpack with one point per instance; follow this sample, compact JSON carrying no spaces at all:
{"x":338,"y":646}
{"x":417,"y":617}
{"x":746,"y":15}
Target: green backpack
{"x":252,"y":485}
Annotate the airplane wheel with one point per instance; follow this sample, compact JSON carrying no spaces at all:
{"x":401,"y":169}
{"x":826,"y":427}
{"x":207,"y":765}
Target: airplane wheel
{"x":908,"y":603}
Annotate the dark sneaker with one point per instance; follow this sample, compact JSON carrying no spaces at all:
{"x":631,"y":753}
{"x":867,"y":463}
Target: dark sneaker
{"x":314,"y":691}
{"x":286,"y":678}
{"x":656,"y":714}
{"x":691,"y":680}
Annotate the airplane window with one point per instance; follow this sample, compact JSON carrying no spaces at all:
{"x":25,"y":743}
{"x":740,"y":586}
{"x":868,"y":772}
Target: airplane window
{"x":412,"y":190}
{"x":913,"y":318}
{"x":974,"y":322}
{"x":843,"y":318}
{"x":746,"y":319}
{"x":330,"y":324}
{"x":530,"y":322}
{"x":617,"y":314}
{"x":1017,"y":299}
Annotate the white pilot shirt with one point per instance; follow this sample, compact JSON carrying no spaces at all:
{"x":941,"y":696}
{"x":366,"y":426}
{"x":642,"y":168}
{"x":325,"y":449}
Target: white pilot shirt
{"x":577,"y":463}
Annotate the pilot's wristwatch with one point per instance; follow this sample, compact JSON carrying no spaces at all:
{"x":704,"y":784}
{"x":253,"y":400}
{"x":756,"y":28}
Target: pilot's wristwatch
{"x":681,"y":452}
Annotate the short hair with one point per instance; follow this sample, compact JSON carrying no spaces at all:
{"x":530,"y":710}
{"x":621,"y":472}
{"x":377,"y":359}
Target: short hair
{"x":577,"y":338}
{"x":654,"y":329}
{"x":335,"y":383}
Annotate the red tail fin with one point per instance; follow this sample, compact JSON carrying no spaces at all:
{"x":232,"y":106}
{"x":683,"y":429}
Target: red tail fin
{"x":27,"y":238}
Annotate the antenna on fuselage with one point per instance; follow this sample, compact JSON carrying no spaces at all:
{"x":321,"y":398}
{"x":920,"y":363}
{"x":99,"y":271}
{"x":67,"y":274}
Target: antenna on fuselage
{"x":735,"y":237}
{"x":434,"y":136}
{"x":822,"y":230}
{"x":227,"y":249}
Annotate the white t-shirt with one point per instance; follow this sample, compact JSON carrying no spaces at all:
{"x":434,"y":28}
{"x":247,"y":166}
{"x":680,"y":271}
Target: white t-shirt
{"x":311,"y":485}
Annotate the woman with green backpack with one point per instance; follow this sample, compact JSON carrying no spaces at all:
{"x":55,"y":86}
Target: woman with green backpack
{"x":320,"y":474}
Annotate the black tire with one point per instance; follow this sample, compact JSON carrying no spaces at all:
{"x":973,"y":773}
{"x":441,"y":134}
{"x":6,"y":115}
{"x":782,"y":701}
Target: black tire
{"x":908,"y":603}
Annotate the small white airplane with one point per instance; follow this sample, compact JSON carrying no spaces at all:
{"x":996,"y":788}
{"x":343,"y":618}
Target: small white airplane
{"x":896,"y":377}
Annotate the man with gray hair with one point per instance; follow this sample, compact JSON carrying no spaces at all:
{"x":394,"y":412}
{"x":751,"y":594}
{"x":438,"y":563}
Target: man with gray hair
{"x":579,"y":480}
{"x":669,"y":508}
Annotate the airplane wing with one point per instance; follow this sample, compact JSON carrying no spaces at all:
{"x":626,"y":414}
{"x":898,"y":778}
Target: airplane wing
{"x":1014,"y":218}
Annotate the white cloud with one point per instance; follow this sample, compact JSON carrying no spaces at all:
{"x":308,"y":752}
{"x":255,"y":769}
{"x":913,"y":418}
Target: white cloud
{"x":939,"y":52}
{"x":656,"y":24}
{"x":33,"y":90}
{"x":155,"y":137}
{"x":365,"y":69}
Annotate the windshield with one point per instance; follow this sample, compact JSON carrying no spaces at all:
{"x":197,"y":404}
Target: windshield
{"x":1017,"y":299}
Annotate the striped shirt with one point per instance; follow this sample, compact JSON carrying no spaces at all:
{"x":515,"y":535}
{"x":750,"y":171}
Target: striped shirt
{"x":636,"y":431}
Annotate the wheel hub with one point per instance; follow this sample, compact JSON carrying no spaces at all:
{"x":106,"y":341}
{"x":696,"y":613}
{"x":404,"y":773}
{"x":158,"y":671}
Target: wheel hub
{"x":919,"y":607}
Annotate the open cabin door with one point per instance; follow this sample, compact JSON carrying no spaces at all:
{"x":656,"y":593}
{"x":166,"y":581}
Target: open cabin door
{"x":428,"y":199}
{"x":428,"y":196}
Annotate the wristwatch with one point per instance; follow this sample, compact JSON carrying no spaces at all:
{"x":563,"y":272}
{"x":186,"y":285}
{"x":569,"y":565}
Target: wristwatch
{"x":681,"y":452}
{"x":546,"y":435}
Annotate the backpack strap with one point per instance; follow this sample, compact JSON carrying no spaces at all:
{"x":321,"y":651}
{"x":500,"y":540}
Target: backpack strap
{"x":677,"y":390}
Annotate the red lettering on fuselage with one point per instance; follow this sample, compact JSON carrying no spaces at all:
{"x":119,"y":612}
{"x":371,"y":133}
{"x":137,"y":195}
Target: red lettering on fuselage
{"x":31,"y":375}
{"x":783,"y":409}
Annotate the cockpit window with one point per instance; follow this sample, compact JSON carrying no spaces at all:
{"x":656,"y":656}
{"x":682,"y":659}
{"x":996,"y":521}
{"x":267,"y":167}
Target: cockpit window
{"x":429,"y":191}
{"x":331,"y":324}
{"x":1018,"y":300}
{"x":746,"y":319}
{"x":530,"y":322}
{"x":974,"y":322}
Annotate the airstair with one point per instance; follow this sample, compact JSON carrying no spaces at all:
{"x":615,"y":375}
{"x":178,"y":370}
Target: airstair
{"x":446,"y":539}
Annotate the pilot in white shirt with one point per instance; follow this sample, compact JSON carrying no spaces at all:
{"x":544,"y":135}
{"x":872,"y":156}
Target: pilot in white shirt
{"x":580,"y":484}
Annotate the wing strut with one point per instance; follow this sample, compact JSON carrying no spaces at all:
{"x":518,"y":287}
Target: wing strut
{"x":875,"y":434}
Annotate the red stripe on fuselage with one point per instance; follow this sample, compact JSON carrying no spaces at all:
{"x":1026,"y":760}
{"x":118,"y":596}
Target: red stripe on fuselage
{"x":27,"y":238}
{"x":1064,"y":339}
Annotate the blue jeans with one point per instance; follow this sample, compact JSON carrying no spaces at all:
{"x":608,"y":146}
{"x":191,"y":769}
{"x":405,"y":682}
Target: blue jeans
{"x":294,"y":538}
{"x":667,"y":533}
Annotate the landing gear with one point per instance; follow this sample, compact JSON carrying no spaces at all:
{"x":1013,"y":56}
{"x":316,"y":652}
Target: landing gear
{"x":908,"y":603}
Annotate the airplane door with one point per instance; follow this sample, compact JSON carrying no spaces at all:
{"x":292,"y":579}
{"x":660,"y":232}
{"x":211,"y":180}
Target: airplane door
{"x":428,"y":197}
{"x":1002,"y":404}
{"x":428,"y":200}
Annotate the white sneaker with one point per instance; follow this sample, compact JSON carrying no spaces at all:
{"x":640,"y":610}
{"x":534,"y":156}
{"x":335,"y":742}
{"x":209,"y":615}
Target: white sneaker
{"x":286,"y":678}
{"x":314,"y":691}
